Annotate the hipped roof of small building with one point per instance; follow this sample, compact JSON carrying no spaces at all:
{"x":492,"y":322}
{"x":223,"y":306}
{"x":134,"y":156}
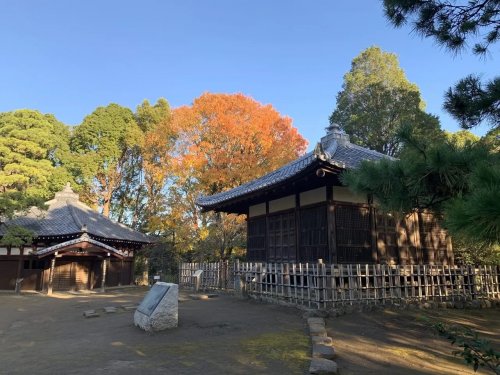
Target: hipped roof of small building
{"x":67,"y":215}
{"x":334,"y":151}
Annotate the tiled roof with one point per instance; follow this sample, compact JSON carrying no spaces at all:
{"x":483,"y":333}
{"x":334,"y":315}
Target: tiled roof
{"x":334,"y":149}
{"x":67,"y":215}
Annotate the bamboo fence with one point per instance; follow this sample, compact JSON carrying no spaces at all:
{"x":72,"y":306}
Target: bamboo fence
{"x":323,"y":286}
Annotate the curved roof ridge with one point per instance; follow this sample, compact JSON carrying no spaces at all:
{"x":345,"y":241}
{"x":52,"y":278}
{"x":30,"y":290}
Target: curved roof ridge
{"x":369,"y":151}
{"x":266,"y":180}
{"x":83,"y":238}
{"x":335,"y":149}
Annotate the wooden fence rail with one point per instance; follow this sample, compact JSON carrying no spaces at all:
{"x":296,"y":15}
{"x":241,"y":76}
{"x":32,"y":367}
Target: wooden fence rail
{"x":323,"y":286}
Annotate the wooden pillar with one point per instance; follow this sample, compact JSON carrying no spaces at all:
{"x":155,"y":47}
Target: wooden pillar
{"x":51,"y":274}
{"x":297,"y":228}
{"x":104,"y":266}
{"x":17,"y":287}
{"x":330,"y":221}
{"x":419,"y":245}
{"x":91,"y":275}
{"x":373,"y":230}
{"x":120,"y":280}
{"x":132,"y":267}
{"x":267,"y":232}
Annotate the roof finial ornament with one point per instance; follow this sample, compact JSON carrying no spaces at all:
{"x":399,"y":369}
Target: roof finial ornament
{"x":334,"y":135}
{"x":84,"y":228}
{"x":333,"y":128}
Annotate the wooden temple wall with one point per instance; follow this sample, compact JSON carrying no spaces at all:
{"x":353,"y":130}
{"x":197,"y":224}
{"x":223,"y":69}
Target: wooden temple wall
{"x":343,"y":232}
{"x":70,"y":273}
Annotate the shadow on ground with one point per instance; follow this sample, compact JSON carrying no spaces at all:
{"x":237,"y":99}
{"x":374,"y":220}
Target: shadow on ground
{"x":400,"y":342}
{"x":223,"y":335}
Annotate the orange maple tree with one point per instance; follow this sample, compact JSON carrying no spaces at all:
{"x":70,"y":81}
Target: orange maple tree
{"x":229,"y":139}
{"x":225,"y":140}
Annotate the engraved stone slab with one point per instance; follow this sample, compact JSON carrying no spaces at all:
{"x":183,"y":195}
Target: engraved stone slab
{"x":159,"y":308}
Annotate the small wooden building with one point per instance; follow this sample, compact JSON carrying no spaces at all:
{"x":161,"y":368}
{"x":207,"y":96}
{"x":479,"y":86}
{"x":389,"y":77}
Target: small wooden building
{"x":302,"y":213}
{"x":74,"y":248}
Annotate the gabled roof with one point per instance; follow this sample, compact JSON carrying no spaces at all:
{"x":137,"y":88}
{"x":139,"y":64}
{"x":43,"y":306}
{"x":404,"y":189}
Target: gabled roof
{"x":84,"y":239}
{"x":66,"y":214}
{"x":334,"y":150}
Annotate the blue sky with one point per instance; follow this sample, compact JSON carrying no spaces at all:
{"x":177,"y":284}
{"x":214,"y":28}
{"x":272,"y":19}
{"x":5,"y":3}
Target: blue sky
{"x":69,"y":57}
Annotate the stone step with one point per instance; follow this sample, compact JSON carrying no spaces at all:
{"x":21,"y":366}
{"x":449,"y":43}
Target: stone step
{"x":311,"y":321}
{"x":129,"y":307}
{"x":322,"y":366}
{"x":322,"y":340}
{"x":323,"y":351}
{"x":317,"y":330}
{"x":90,"y":314}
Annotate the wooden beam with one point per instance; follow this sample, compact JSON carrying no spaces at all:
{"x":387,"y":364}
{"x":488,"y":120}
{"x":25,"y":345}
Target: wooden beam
{"x":297,"y":227}
{"x":104,"y":266}
{"x":51,"y":274}
{"x":331,"y":229}
{"x":267,"y":232}
{"x":20,"y":261}
{"x":373,"y":228}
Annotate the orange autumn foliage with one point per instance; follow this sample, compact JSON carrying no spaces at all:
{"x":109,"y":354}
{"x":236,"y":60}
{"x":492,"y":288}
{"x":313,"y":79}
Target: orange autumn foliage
{"x":228,"y":139}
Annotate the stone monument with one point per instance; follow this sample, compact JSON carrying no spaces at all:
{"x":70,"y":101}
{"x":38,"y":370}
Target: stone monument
{"x":159,"y":308}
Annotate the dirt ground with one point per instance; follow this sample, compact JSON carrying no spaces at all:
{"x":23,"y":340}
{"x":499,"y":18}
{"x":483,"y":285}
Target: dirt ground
{"x":223,"y":335}
{"x":399,"y":342}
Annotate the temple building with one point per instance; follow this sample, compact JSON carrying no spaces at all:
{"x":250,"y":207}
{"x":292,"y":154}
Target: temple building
{"x":302,"y":213}
{"x":74,"y":247}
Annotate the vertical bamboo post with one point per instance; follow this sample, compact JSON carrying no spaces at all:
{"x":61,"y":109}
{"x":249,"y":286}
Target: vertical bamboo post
{"x":376,"y":268}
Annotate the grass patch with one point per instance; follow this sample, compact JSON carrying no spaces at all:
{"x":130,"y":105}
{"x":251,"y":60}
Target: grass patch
{"x":288,"y":347}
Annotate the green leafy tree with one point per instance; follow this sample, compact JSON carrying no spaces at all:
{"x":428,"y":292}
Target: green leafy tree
{"x":141,"y":195}
{"x":102,"y":145}
{"x":456,"y":25}
{"x":17,"y":236}
{"x":160,"y":136}
{"x":462,"y":138}
{"x":492,"y":139}
{"x":376,"y":100}
{"x":450,"y":23}
{"x":472,"y":102}
{"x":34,"y":152}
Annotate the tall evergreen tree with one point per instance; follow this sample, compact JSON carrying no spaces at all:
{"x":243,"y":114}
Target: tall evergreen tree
{"x":456,"y":26}
{"x":459,"y":178}
{"x":376,"y":100}
{"x":141,"y":194}
{"x":33,"y":153}
{"x":102,"y":144}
